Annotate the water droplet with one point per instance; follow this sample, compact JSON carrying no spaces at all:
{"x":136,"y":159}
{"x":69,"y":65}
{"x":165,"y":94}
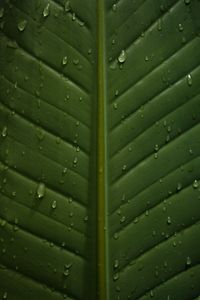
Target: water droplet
{"x":4,"y":132}
{"x":122,"y":219}
{"x":73,"y":17}
{"x":124,"y":167}
{"x":64,"y":61}
{"x":195,"y":184}
{"x":116,"y":264}
{"x":1,"y":12}
{"x":188,"y":261}
{"x":46,"y":11}
{"x":189,"y":79}
{"x":169,"y":221}
{"x":67,"y":6}
{"x":187,"y":2}
{"x":180,"y":27}
{"x":122,"y":57}
{"x":115,"y":105}
{"x":75,"y":160}
{"x":156,"y":147}
{"x":179,"y":186}
{"x":114,"y":7}
{"x":115,"y":276}
{"x":5,"y":295}
{"x":159,"y":25}
{"x":22,"y":25}
{"x":116,"y":235}
{"x":41,"y":190}
{"x":151,"y":293}
{"x":54,"y":204}
{"x":66,"y":273}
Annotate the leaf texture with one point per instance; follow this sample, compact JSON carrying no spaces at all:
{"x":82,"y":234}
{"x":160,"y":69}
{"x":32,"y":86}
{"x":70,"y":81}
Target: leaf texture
{"x":99,"y":149}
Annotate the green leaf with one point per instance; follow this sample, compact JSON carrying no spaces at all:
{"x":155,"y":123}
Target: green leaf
{"x":99,"y":149}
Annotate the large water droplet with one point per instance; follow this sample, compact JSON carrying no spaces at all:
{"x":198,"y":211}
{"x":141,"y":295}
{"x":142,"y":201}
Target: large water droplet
{"x":46,"y":11}
{"x":189,"y":79}
{"x":22,"y":25}
{"x":122,"y":57}
{"x":41,"y":190}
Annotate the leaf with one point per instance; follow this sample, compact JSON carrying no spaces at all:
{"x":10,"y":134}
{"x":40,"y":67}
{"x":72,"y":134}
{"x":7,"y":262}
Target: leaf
{"x":99,"y":156}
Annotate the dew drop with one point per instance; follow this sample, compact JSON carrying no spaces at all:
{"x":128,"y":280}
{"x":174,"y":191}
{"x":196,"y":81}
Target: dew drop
{"x":187,"y":2}
{"x":64,"y":61}
{"x":195,"y":184}
{"x":169,"y":221}
{"x":114,"y":7}
{"x":179,"y":186}
{"x":180,"y":27}
{"x":188,"y":261}
{"x":116,"y":264}
{"x":122,"y":219}
{"x":115,"y":276}
{"x":41,"y":190}
{"x":116,"y":235}
{"x":22,"y":25}
{"x":54,"y":204}
{"x":115,"y":105}
{"x":159,"y":25}
{"x":156,"y":147}
{"x":46,"y":11}
{"x":4,"y":132}
{"x":5,"y":295}
{"x":122,"y":57}
{"x":189,"y":79}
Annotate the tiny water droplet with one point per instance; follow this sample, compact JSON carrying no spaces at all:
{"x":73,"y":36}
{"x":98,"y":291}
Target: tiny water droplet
{"x":189,"y":79}
{"x":187,"y":2}
{"x":179,"y":186}
{"x":122,"y":57}
{"x":116,"y":264}
{"x":122,"y":219}
{"x":66,"y":273}
{"x":5,"y":295}
{"x":195,"y":184}
{"x":115,"y":105}
{"x":124,"y":167}
{"x":64,"y":61}
{"x":156,"y":147}
{"x":188,"y":261}
{"x":22,"y":25}
{"x":41,"y":190}
{"x":4,"y":132}
{"x":159,"y":25}
{"x":114,"y":7}
{"x":54,"y":204}
{"x":180,"y":27}
{"x":116,"y":235}
{"x":169,"y":221}
{"x":67,"y":6}
{"x":115,"y":276}
{"x":151,"y":293}
{"x":46,"y":11}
